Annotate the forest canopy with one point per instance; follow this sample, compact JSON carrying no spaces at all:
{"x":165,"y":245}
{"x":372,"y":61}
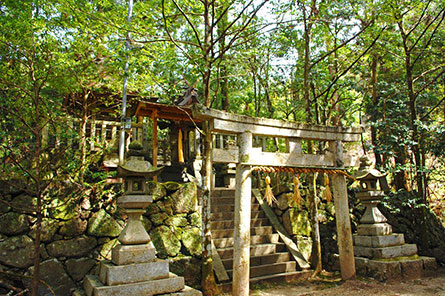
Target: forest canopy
{"x":379,"y":63}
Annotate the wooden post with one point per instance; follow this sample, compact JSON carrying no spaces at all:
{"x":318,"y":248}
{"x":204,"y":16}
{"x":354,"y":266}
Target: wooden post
{"x":243,"y":195}
{"x":154,"y":118}
{"x":92,"y":133}
{"x":344,"y":234}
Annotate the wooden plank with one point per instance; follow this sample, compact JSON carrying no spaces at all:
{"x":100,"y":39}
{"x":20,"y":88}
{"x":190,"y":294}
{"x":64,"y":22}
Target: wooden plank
{"x":218,"y":266}
{"x":316,"y":133}
{"x":285,"y":237}
{"x":155,"y":140}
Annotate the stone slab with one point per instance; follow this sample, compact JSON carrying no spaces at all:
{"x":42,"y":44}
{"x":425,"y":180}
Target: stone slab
{"x":429,"y":266}
{"x":111,"y":274}
{"x":379,"y":241}
{"x":386,"y":252}
{"x":411,"y":269}
{"x":187,"y":291}
{"x":384,"y":270}
{"x":374,"y":229}
{"x":93,"y":287}
{"x":128,"y":254}
{"x":394,"y":269}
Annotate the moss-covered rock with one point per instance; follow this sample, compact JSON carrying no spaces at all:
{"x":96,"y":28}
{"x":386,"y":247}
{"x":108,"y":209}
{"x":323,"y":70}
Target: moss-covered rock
{"x":165,"y":242}
{"x":152,"y":209}
{"x":24,"y":203}
{"x":105,"y":249}
{"x":304,"y":245}
{"x":4,"y":207}
{"x":178,"y":221}
{"x":147,"y":224}
{"x":53,"y":273}
{"x":48,"y":229}
{"x":17,"y":251}
{"x":102,"y":224}
{"x":13,"y":223}
{"x":192,"y":240}
{"x":171,"y":186}
{"x":296,"y":222}
{"x":157,"y":190}
{"x":195,"y":219}
{"x":73,"y":227}
{"x":78,"y":268}
{"x":185,"y":199}
{"x":63,"y":210}
{"x":76,"y":247}
{"x":159,"y":218}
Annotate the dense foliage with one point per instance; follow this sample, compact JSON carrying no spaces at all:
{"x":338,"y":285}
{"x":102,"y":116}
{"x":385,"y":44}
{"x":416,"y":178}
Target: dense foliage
{"x":336,"y":62}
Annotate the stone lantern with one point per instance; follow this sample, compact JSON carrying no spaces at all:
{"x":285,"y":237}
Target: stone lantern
{"x":136,"y":198}
{"x":371,"y":193}
{"x":134,"y":268}
{"x":374,"y":238}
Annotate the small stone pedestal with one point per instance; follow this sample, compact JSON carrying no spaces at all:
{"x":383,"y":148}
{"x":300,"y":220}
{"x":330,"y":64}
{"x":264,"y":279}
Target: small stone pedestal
{"x":378,"y":251}
{"x":134,"y":269}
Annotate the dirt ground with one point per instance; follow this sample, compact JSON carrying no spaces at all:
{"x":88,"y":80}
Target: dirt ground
{"x":332,"y":286}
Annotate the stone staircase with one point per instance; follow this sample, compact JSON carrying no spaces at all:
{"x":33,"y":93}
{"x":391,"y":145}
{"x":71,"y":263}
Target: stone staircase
{"x":269,"y":258}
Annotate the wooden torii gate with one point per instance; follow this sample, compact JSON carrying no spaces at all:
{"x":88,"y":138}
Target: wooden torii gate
{"x":247,"y":157}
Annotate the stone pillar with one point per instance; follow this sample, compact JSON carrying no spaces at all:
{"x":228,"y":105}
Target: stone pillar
{"x":243,"y":195}
{"x":344,"y":233}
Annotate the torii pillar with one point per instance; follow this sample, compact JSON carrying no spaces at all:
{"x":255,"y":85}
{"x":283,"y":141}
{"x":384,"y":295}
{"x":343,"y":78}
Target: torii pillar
{"x":343,"y":221}
{"x":243,"y":195}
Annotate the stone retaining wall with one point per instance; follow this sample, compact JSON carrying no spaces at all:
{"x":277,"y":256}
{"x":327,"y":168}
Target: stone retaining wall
{"x":76,"y":235}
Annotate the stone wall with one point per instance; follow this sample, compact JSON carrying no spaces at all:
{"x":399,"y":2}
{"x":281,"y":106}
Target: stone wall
{"x":76,"y":235}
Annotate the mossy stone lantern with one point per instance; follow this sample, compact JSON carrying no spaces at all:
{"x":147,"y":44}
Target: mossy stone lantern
{"x":371,"y":193}
{"x":136,"y":197}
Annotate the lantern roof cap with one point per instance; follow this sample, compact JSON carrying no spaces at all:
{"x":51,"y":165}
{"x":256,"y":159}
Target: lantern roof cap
{"x":367,"y":170}
{"x":136,"y":167}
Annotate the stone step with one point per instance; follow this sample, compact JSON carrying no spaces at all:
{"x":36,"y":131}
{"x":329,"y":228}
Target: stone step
{"x":386,"y":252}
{"x":253,"y":231}
{"x":254,"y":240}
{"x":223,"y":192}
{"x":218,"y":208}
{"x":228,"y":200}
{"x":229,"y":224}
{"x":112,"y":274}
{"x":278,"y":277}
{"x":173,"y":283}
{"x":261,"y":260}
{"x":187,"y":291}
{"x":255,"y":250}
{"x":230,"y":215}
{"x":269,"y":269}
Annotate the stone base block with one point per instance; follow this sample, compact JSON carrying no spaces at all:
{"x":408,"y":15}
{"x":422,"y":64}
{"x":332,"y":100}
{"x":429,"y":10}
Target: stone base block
{"x":93,"y":287}
{"x":394,"y":269}
{"x":374,"y":229}
{"x":386,"y":252}
{"x":187,"y":291}
{"x":429,"y":266}
{"x":128,"y":254}
{"x":411,"y":269}
{"x":111,"y":274}
{"x":379,"y":241}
